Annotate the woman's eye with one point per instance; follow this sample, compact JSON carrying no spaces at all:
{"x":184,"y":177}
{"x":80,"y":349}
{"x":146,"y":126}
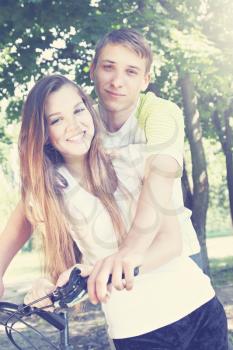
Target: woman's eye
{"x":80,"y":109}
{"x":55,"y":121}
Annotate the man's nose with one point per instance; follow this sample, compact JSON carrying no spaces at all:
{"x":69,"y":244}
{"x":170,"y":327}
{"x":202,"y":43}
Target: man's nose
{"x":117,"y":79}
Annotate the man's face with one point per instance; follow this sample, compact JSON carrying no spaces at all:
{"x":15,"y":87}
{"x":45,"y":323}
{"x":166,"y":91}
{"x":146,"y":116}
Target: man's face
{"x":119,"y":77}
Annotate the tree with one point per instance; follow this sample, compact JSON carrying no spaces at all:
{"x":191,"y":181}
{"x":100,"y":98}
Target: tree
{"x":199,"y":167}
{"x":217,"y":25}
{"x":225,"y":134}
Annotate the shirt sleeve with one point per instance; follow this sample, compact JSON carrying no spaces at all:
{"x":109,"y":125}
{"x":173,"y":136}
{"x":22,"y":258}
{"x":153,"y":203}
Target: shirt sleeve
{"x":163,"y":125}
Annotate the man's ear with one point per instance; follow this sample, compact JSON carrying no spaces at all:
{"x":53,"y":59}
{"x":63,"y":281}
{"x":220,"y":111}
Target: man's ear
{"x":92,"y":71}
{"x":146,"y":81}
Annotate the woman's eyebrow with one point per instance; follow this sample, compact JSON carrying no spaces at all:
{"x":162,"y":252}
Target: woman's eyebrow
{"x":77,"y":104}
{"x":53,"y":114}
{"x":59,"y":113}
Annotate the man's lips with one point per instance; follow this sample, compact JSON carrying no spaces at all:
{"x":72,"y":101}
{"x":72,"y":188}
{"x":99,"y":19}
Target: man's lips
{"x":114,"y":93}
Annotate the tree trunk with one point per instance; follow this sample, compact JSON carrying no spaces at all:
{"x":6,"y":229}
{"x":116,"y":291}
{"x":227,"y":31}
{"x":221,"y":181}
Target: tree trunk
{"x":229,"y":167}
{"x":225,"y":135}
{"x":229,"y":158}
{"x":199,"y":168}
{"x":186,"y":188}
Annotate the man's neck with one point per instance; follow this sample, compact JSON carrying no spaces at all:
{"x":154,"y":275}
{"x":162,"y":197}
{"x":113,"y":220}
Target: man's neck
{"x":114,"y":120}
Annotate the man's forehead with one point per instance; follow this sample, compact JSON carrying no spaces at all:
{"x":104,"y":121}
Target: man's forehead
{"x":114,"y":53}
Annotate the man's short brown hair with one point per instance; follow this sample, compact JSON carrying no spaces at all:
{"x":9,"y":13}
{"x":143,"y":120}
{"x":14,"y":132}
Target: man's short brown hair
{"x":130,"y":38}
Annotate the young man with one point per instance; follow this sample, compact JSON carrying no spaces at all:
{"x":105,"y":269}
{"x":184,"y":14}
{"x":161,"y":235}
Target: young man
{"x":121,"y":71}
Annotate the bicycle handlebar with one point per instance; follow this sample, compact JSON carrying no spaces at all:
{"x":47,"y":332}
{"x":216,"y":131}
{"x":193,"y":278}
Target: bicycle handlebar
{"x":67,"y":295}
{"x":75,"y":289}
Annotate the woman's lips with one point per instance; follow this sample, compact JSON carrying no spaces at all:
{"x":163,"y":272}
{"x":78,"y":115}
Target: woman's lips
{"x":76,"y":137}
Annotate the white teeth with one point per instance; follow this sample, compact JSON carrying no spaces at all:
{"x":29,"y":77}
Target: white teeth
{"x":76,"y":137}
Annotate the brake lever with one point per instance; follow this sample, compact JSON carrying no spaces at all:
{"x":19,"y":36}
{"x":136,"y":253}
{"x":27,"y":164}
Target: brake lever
{"x":72,"y":291}
{"x":75,"y":289}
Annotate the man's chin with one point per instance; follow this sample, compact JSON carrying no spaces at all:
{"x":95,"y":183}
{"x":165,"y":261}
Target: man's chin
{"x":111,"y":107}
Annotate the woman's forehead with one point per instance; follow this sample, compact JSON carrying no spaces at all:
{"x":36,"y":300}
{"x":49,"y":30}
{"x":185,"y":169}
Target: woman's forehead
{"x":60,"y":99}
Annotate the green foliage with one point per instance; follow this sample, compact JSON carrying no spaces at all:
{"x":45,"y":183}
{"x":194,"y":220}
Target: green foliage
{"x":9,"y":196}
{"x":3,"y":136}
{"x":218,"y":212}
{"x":13,"y":110}
{"x":194,"y":36}
{"x":68,"y":32}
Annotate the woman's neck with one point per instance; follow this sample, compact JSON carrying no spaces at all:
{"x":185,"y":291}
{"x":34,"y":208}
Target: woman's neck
{"x":77,"y":169}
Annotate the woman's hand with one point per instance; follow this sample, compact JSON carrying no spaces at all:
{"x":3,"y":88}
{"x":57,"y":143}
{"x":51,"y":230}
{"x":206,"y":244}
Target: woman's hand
{"x":40,"y":288}
{"x":43,"y":286}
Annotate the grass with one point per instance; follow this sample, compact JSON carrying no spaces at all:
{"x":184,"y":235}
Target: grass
{"x":219,"y":233}
{"x":24,"y":269}
{"x":27,"y":266}
{"x":222,"y":271}
{"x":222,"y":275}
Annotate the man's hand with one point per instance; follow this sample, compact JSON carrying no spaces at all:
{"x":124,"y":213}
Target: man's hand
{"x":122,"y":262}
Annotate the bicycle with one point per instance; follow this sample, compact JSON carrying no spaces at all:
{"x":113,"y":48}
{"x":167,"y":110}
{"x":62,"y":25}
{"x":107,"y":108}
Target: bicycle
{"x":62,"y":298}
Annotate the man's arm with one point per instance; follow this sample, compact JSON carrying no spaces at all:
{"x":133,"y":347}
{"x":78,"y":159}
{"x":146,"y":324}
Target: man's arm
{"x":166,"y":245}
{"x":146,"y":243}
{"x":17,"y":231}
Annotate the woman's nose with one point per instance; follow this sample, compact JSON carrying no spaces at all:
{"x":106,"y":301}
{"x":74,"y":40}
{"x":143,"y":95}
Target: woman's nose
{"x":74,"y":122}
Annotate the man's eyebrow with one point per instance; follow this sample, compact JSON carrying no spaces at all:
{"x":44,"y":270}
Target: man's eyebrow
{"x":59,"y":113}
{"x":108,"y":61}
{"x":113,"y":62}
{"x":134,"y":67}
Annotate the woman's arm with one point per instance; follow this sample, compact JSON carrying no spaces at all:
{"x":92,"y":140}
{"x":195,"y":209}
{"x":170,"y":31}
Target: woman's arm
{"x":17,"y":231}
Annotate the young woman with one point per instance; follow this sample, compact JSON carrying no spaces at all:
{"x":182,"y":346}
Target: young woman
{"x":83,"y":200}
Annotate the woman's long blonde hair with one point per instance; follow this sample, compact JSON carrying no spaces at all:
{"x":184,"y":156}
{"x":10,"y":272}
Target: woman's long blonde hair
{"x":42,"y":184}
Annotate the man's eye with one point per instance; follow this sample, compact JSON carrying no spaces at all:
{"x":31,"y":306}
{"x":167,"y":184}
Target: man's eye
{"x":107,"y":67}
{"x":132,"y":72}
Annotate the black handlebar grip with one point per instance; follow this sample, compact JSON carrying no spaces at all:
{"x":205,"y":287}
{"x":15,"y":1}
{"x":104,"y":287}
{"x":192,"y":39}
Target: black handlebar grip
{"x":136,"y":272}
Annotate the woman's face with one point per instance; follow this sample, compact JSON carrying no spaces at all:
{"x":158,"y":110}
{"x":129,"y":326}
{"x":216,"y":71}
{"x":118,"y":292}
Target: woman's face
{"x":70,"y":124}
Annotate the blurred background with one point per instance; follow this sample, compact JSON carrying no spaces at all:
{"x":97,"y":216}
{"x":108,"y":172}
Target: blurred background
{"x":192,"y":41}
